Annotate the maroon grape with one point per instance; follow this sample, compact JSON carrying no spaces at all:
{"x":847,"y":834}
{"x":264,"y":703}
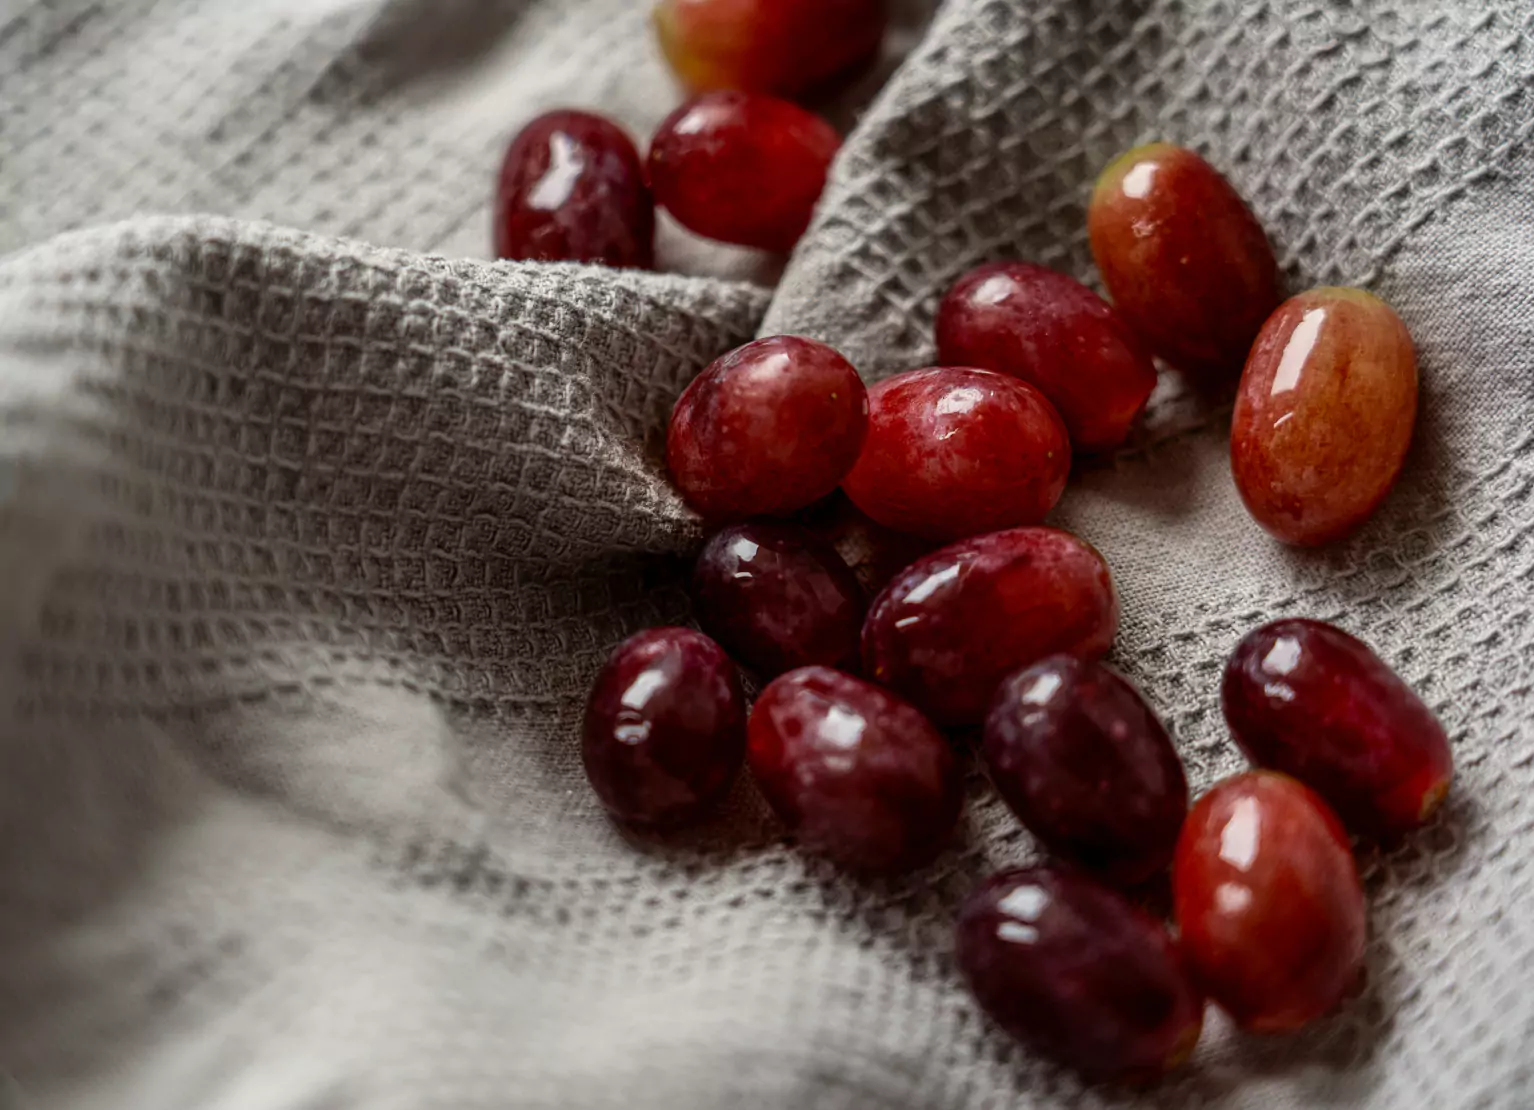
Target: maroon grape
{"x":856,"y":773}
{"x":572,"y":189}
{"x":1078,"y":972}
{"x":665,"y":727}
{"x":1086,"y":765}
{"x":767,"y":429}
{"x":952,"y":625}
{"x":1305,"y":698}
{"x":777,"y":597}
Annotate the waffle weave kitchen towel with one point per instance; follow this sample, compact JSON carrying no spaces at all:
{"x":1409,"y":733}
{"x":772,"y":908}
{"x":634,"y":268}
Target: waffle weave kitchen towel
{"x":315,"y":525}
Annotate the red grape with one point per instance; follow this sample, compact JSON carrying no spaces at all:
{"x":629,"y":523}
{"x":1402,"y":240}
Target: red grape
{"x":767,"y":429}
{"x":1086,"y":765}
{"x":951,"y":626}
{"x":953,"y":451}
{"x":855,"y":772}
{"x":777,"y":597}
{"x":1055,"y":333}
{"x":1268,"y":900}
{"x":773,"y":46}
{"x":1324,"y":414}
{"x":1307,"y":699}
{"x":665,"y":727}
{"x":572,"y":189}
{"x":1184,"y":259}
{"x":742,"y":168}
{"x":1077,"y":971}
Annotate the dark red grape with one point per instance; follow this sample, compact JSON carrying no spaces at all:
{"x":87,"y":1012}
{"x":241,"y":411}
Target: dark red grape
{"x":1086,"y":765}
{"x":1307,"y":699}
{"x":572,"y":189}
{"x":951,"y":626}
{"x":857,"y":774}
{"x":1079,"y":973}
{"x":767,"y":429}
{"x":777,"y":597}
{"x":665,"y":727}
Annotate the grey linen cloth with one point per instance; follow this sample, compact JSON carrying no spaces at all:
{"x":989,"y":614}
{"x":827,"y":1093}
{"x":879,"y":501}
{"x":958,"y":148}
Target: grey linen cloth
{"x":311,"y":541}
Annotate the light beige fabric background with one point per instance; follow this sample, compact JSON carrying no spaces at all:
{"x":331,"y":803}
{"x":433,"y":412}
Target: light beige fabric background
{"x":314,"y":526}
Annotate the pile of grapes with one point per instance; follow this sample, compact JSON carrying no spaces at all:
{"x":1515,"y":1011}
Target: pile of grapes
{"x":962,"y":615}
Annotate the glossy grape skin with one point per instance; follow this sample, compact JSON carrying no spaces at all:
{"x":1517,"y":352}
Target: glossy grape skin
{"x":954,"y":451}
{"x":856,"y":773}
{"x":1076,"y":971}
{"x":665,"y":728}
{"x":1324,"y":415}
{"x":572,"y":189}
{"x":1088,"y":768}
{"x":742,"y":168}
{"x":1307,"y":699}
{"x":767,"y":429}
{"x":782,"y":47}
{"x":776,"y":597}
{"x":1267,"y":897}
{"x":950,"y":627}
{"x":1053,"y":332}
{"x":1184,"y":259}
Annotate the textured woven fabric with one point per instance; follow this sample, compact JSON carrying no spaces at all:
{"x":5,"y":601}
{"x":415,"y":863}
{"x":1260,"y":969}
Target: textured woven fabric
{"x":309,"y":548}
